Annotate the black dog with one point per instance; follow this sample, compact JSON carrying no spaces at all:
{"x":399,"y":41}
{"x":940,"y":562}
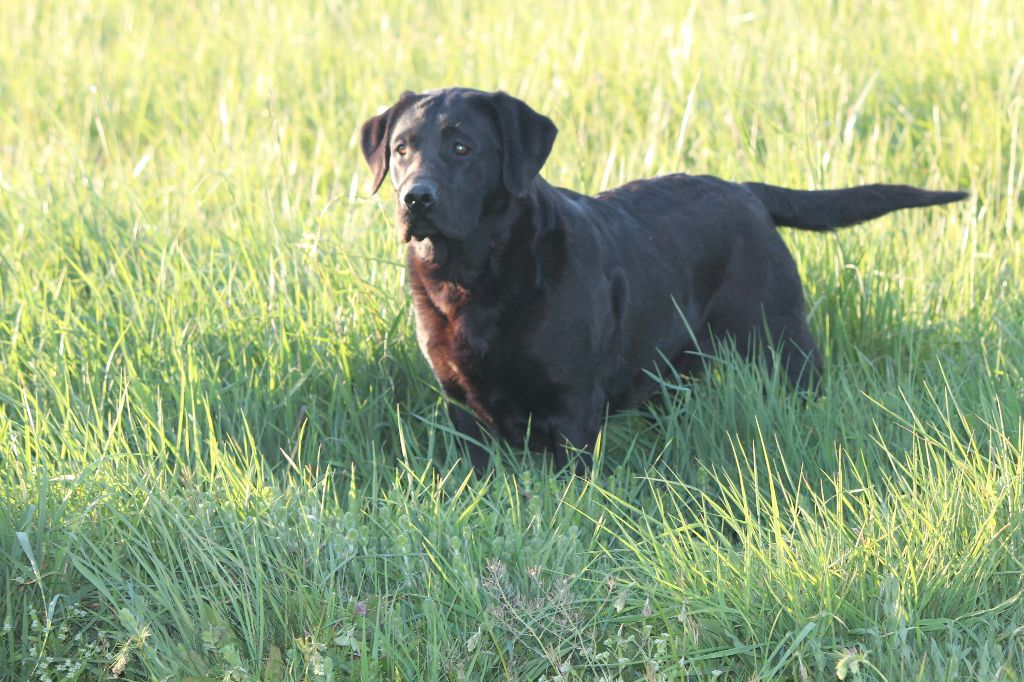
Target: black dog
{"x":537,"y":307}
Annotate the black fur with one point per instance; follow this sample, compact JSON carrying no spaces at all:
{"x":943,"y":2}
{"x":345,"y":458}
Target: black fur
{"x":537,"y":306}
{"x":828,"y":209}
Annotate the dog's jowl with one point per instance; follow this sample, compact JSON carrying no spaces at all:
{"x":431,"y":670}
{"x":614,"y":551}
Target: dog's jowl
{"x":538,"y":307}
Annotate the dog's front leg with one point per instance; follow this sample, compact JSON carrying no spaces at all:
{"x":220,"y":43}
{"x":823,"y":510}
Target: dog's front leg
{"x":467,"y":425}
{"x":576,"y":434}
{"x":584,"y":460}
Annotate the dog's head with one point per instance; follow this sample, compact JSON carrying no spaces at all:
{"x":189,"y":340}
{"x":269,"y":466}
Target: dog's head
{"x":454,"y":155}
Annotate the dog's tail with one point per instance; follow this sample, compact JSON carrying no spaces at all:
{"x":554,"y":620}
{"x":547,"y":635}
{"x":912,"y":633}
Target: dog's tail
{"x":831,"y":208}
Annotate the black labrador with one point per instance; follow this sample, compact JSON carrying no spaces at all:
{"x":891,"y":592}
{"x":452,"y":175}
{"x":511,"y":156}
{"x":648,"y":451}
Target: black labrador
{"x":538,"y":307}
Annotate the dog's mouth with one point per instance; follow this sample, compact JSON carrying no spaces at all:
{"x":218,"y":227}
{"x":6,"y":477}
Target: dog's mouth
{"x":417,"y":226}
{"x":432,"y":249}
{"x":427,"y":241}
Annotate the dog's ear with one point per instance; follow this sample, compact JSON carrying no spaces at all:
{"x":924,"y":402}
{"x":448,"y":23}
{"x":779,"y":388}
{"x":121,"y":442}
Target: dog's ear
{"x":526,"y":140}
{"x":376,"y":134}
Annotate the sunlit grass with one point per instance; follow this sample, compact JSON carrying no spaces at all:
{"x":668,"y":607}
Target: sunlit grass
{"x":223,"y":457}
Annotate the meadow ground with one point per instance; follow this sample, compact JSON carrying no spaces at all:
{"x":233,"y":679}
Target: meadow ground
{"x":224,"y":458}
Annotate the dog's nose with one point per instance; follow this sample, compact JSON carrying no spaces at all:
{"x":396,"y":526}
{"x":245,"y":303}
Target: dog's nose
{"x":420,"y":197}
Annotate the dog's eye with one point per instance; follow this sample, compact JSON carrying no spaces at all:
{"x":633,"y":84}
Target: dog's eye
{"x":460,"y":149}
{"x":401,"y":149}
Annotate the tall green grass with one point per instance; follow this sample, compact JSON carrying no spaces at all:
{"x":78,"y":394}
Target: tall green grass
{"x":223,"y":457}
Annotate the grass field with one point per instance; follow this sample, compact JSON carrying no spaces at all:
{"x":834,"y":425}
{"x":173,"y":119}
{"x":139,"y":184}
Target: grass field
{"x":224,"y":458}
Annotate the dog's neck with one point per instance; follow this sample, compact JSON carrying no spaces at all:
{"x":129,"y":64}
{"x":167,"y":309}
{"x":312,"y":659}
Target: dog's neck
{"x":522,"y":240}
{"x":524,"y":253}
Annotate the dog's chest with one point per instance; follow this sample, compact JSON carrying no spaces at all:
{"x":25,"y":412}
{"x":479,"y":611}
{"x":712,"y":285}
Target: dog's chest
{"x":479,"y":353}
{"x":458,"y":340}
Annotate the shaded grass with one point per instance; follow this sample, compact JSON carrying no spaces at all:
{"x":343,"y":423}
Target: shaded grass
{"x":224,"y":458}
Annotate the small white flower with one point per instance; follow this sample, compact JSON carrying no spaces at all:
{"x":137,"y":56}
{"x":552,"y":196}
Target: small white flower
{"x":474,"y":640}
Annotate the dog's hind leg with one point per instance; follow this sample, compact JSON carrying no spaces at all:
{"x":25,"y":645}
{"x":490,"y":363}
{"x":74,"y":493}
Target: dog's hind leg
{"x":777,"y":322}
{"x":691,"y":361}
{"x":799,"y":355}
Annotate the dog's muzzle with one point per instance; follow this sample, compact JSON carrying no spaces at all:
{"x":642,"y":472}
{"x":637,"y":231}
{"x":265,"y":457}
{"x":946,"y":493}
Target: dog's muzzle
{"x":431,"y":250}
{"x":420,"y":198}
{"x":416,"y":227}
